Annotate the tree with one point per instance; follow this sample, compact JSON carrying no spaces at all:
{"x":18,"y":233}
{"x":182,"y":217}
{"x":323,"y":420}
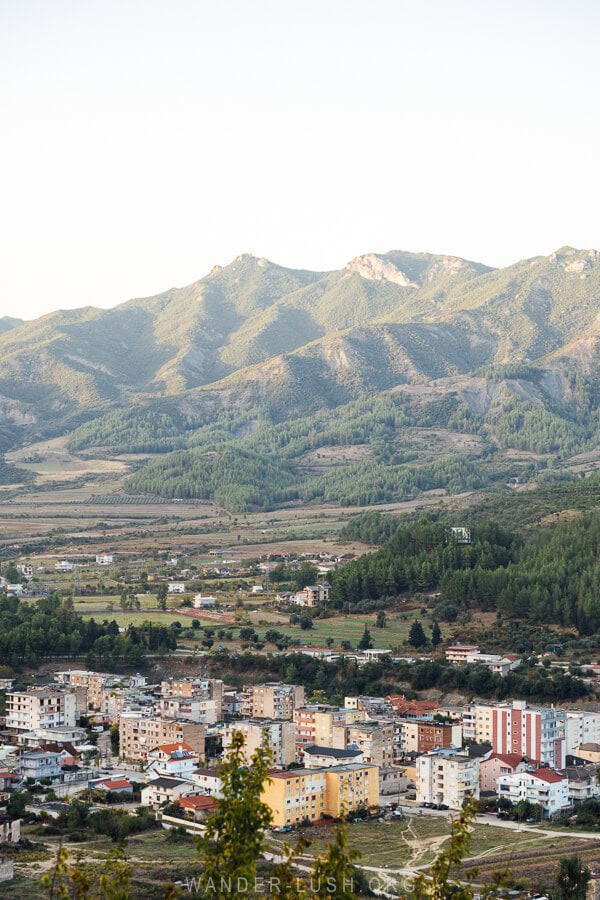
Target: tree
{"x":304,"y":575}
{"x":572,"y":878}
{"x":417,"y":637}
{"x":436,"y":635}
{"x":381,"y":620}
{"x":161,"y":597}
{"x":306,"y":622}
{"x":234,"y":835}
{"x":365,"y":642}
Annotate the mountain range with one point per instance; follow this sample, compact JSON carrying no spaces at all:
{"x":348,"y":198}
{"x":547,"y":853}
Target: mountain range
{"x":254,"y":345}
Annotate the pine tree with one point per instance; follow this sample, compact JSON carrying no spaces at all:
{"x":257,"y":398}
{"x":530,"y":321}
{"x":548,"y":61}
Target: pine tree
{"x":365,"y":642}
{"x":417,"y":637}
{"x":436,"y":635}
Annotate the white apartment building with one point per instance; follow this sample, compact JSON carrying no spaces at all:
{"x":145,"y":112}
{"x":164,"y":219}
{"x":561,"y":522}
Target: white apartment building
{"x":39,"y":708}
{"x":582,"y":728}
{"x":547,"y":788}
{"x":446,"y":777}
{"x":192,"y":709}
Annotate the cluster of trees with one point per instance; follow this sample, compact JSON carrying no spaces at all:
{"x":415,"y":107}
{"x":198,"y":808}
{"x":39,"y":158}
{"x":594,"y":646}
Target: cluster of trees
{"x":551,"y":576}
{"x":416,"y":557}
{"x":30,"y":633}
{"x":342,"y":678}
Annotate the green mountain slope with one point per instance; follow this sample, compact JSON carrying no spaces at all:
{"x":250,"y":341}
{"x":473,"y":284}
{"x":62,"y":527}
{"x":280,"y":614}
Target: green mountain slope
{"x":508,"y":355}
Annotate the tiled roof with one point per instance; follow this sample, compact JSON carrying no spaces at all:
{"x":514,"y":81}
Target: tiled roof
{"x":548,"y":775}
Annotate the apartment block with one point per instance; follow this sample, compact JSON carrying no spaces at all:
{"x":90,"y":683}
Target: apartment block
{"x":422,"y":736}
{"x":375,"y":740}
{"x":192,"y":709}
{"x":538,"y":733}
{"x":582,"y":728}
{"x":139,"y":733}
{"x":300,"y":794}
{"x":280,"y":738}
{"x":446,"y":777}
{"x":39,"y":708}
{"x":272,"y":700}
{"x":315,"y":724}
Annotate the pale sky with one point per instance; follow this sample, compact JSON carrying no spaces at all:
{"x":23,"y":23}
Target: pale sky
{"x":144,"y":142}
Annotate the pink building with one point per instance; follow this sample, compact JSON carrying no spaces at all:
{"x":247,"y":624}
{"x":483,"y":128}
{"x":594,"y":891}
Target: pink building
{"x":501,"y":764}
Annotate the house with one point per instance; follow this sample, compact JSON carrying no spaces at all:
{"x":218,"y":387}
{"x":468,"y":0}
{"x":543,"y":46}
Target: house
{"x":257,"y":589}
{"x":207,"y":781}
{"x":15,"y":589}
{"x":114,"y":785}
{"x":201,"y":602}
{"x":64,"y":566}
{"x":164,"y":790}
{"x":176,"y":587}
{"x":498,"y":764}
{"x":7,"y":779}
{"x":590,"y":752}
{"x":104,"y":559}
{"x":412,"y":709}
{"x":392,"y":780}
{"x":460,"y":653}
{"x":317,"y":593}
{"x":175,"y":760}
{"x":583,"y":784}
{"x":544,"y":787}
{"x":25,"y":569}
{"x":38,"y":764}
{"x":197,"y":807}
{"x":324,"y":757}
{"x":69,"y":756}
{"x":10,"y":830}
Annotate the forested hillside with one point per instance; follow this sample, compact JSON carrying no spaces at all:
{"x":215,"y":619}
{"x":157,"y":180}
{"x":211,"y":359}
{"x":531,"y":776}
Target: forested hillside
{"x":551,"y":575}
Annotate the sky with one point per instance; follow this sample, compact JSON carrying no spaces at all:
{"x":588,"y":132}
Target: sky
{"x":145,"y":141}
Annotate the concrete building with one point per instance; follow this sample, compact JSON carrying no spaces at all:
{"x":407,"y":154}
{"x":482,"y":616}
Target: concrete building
{"x":325,"y":757}
{"x":201,"y":602}
{"x":39,"y":708}
{"x":164,"y":790}
{"x":538,"y":733}
{"x":280,"y":737}
{"x":447,"y":778}
{"x":315,"y":724}
{"x":582,"y":728}
{"x":272,"y":700}
{"x":497,"y":764}
{"x":38,"y":764}
{"x":189,"y":709}
{"x":422,"y":736}
{"x":545,"y":787}
{"x":583,"y":784}
{"x":176,"y":760}
{"x":459,"y":653}
{"x":307,"y":794}
{"x":140,"y":732}
{"x":10,"y":830}
{"x":374,"y":739}
{"x":104,"y":559}
{"x":176,"y":587}
{"x":417,"y":710}
{"x":208,"y":781}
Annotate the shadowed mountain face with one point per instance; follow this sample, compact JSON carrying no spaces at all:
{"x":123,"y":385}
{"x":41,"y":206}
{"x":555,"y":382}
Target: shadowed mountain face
{"x":254,"y":341}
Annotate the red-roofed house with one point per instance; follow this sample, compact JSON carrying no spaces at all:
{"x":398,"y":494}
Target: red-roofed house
{"x":498,"y":764}
{"x":114,"y":785}
{"x":197,"y":808}
{"x":545,"y":787}
{"x":412,"y":709}
{"x":173,"y":760}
